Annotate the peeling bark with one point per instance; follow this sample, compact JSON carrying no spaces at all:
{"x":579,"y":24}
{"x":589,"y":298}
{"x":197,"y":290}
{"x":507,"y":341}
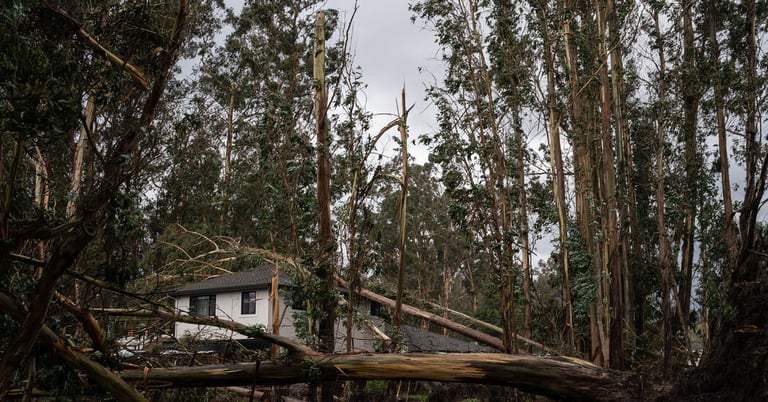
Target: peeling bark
{"x":560,"y":377}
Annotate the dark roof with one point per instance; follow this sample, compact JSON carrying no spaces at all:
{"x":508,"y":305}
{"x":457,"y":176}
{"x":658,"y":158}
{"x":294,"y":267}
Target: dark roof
{"x":257,"y":278}
{"x":420,"y":340}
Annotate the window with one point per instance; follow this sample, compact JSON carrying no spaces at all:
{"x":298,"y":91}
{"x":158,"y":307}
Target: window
{"x":376,"y":309}
{"x":249,"y":303}
{"x":202,"y":305}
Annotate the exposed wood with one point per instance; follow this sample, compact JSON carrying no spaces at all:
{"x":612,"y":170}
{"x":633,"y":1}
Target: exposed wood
{"x":558,"y":377}
{"x":138,"y":77}
{"x":403,"y":210}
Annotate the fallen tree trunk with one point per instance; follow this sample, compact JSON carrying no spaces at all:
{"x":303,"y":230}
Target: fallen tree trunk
{"x":99,"y":374}
{"x":251,"y":332}
{"x":481,"y":337}
{"x":258,"y":395}
{"x":556,"y":377}
{"x":495,"y":328}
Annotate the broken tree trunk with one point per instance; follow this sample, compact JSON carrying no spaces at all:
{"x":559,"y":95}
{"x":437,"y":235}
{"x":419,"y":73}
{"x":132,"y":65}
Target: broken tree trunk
{"x":483,"y":338}
{"x":556,"y":377}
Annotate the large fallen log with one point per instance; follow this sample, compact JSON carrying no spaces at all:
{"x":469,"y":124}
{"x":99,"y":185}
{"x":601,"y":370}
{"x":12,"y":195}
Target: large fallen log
{"x":556,"y":377}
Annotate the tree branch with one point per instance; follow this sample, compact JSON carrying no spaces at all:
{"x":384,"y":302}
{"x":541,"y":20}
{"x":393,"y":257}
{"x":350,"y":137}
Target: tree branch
{"x":96,"y":372}
{"x":294,"y":347}
{"x":136,"y":74}
{"x":93,"y":214}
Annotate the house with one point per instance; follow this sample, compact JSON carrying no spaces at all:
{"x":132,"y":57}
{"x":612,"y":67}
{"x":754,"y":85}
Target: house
{"x":245,"y":297}
{"x":419,"y":340}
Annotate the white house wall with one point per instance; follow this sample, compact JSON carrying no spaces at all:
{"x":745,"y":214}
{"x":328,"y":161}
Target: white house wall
{"x":228,"y":307}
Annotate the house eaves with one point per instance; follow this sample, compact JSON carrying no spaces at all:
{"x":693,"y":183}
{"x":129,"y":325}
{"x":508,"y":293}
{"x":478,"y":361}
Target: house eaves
{"x":257,"y":278}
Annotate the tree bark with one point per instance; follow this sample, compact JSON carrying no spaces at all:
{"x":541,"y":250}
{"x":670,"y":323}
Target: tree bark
{"x":722,"y":140}
{"x":325,"y":261}
{"x":736,"y":365}
{"x":403,"y":210}
{"x":557,"y":377}
{"x":691,"y":95}
{"x":558,"y":182}
{"x":325,"y":255}
{"x":612,"y":270}
{"x":664,"y":246}
{"x":97,"y":373}
{"x":291,"y":346}
{"x":481,"y":337}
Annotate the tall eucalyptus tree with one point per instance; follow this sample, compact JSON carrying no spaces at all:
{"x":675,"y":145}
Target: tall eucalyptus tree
{"x":480,"y":143}
{"x":56,"y":61}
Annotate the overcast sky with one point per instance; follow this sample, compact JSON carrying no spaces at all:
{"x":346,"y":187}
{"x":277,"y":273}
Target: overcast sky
{"x":390,"y":51}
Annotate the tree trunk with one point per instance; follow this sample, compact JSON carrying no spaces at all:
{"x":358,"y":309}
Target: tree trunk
{"x":525,"y":251}
{"x":691,"y":94}
{"x":97,"y":373}
{"x":612,"y":270}
{"x":722,"y":140}
{"x":558,"y":377}
{"x":558,"y":182}
{"x":325,"y":263}
{"x":77,"y":163}
{"x":664,"y":246}
{"x":584,"y":176}
{"x":403,"y":213}
{"x":478,"y":336}
{"x":626,"y":194}
{"x":737,"y":364}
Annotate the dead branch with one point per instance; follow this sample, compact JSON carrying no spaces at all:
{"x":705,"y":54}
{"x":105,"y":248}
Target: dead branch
{"x":89,"y":323}
{"x":136,"y":74}
{"x":95,"y":371}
